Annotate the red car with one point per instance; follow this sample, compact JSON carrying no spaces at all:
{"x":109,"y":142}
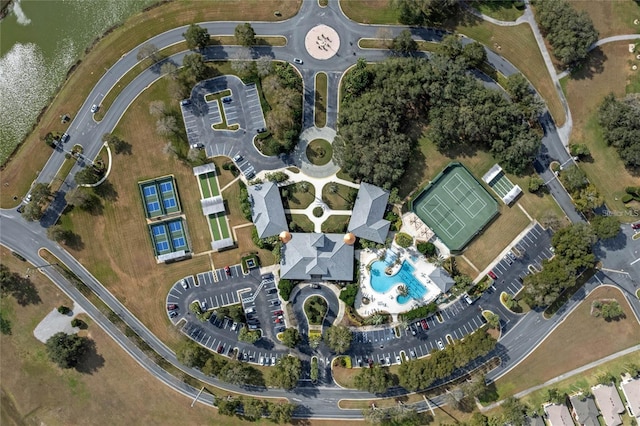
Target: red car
{"x":220,"y":349}
{"x":227,"y":270}
{"x":492,"y":275}
{"x":172,"y":307}
{"x":424,"y":324}
{"x":278,"y":320}
{"x":276,"y":313}
{"x":635,"y":226}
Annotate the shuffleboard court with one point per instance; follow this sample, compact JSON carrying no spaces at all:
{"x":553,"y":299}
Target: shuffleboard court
{"x":204,"y":186}
{"x":455,"y":206}
{"x":215,"y":228}
{"x":222,"y":221}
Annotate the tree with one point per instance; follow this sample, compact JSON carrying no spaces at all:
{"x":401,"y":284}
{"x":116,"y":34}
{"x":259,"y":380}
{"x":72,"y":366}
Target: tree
{"x":493,"y":320}
{"x":88,"y":176}
{"x":213,"y":365}
{"x":148,"y":50}
{"x":569,"y":32}
{"x":32,"y":211}
{"x":40,"y":193}
{"x":544,"y":287}
{"x":157,"y":109}
{"x":84,"y":199}
{"x":196,"y":37}
{"x":404,"y":43}
{"x":166,"y":125}
{"x":514,"y":412}
{"x":170,"y":69}
{"x":117,"y":144}
{"x":239,"y":373}
{"x":66,"y":350}
{"x":243,"y":62}
{"x":524,"y":97}
{"x":264,"y":65}
{"x":535,"y":183}
{"x":349,"y":293}
{"x":579,"y":150}
{"x":253,"y":408}
{"x":403,"y":290}
{"x":282,"y":412}
{"x":620,"y":120}
{"x":228,"y":406}
{"x":57,"y":233}
{"x":195,"y":66}
{"x":5,"y":324}
{"x":248,"y":336}
{"x":192,"y":355}
{"x":338,"y":338}
{"x":286,"y":373}
{"x":611,"y":311}
{"x":245,"y":35}
{"x":474,"y":54}
{"x":374,"y":380}
{"x":290,"y":337}
{"x":285,"y":287}
{"x":573,"y":244}
{"x":404,"y":240}
{"x":426,"y":248}
{"x":422,"y":12}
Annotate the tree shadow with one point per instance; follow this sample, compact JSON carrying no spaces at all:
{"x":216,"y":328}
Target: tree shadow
{"x":91,"y":361}
{"x":594,"y":64}
{"x":107,"y":191}
{"x":123,"y":147}
{"x":21,"y":288}
{"x":73,"y":240}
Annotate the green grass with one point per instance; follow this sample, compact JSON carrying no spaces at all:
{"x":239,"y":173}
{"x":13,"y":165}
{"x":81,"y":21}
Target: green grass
{"x":504,"y":10}
{"x":371,"y":43}
{"x":218,"y":95}
{"x":62,"y":173}
{"x":320,"y":111}
{"x":342,"y":199}
{"x":295,"y":198}
{"x":204,"y":185}
{"x":302,"y":221}
{"x":213,"y":221}
{"x":319,"y":152}
{"x":213,"y":184}
{"x":223,"y":224}
{"x":315,"y":308}
{"x":336,"y":224}
{"x":370,"y":11}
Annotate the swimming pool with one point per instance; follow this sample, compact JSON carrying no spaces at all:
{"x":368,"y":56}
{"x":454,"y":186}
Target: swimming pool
{"x":382,"y":282}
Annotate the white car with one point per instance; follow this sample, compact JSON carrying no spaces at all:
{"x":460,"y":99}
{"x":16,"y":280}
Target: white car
{"x":298,"y":61}
{"x":440,"y":345}
{"x":94,"y":108}
{"x":184,"y":284}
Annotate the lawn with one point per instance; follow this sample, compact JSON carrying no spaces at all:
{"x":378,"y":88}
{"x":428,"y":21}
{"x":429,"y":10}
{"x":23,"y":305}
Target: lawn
{"x":338,"y":196}
{"x":369,"y":11}
{"x":372,"y":43}
{"x":336,"y":224}
{"x":30,"y":157}
{"x":294,"y":198}
{"x":579,"y":340}
{"x":488,"y":245}
{"x":320,"y":110}
{"x":301,"y":221}
{"x":611,"y":17}
{"x":504,"y":10}
{"x":315,"y":308}
{"x":608,"y":71}
{"x":319,"y":152}
{"x":225,"y":177}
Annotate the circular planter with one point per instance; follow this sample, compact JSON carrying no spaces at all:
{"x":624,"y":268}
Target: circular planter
{"x":319,"y":152}
{"x":318,"y":211}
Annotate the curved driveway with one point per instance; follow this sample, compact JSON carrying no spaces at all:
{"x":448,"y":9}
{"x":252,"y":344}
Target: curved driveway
{"x":27,"y":238}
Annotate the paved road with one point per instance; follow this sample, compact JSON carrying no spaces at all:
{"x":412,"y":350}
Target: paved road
{"x":27,"y":238}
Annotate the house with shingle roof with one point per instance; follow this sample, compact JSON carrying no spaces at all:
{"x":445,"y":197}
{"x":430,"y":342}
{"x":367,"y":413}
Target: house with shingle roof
{"x":368,"y":212}
{"x":558,"y":415}
{"x":585,"y":410}
{"x":631,"y":390}
{"x":267,"y":211}
{"x":442,"y":279}
{"x":322,"y":257}
{"x":609,"y":403}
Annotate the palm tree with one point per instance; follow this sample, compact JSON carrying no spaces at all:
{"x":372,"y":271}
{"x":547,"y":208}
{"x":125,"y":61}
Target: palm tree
{"x":403,"y":290}
{"x":333,"y":188}
{"x":438,"y":260}
{"x":303,"y":186}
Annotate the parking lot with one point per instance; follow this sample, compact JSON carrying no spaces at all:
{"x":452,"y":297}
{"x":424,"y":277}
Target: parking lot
{"x":263,"y":308}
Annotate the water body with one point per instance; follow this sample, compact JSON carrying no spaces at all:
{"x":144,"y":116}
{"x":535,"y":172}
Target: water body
{"x":39,"y":41}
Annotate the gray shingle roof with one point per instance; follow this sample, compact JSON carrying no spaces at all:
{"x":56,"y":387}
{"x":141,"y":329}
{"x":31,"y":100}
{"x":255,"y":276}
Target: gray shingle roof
{"x":266,"y":209}
{"x":609,"y":402}
{"x":442,"y":279}
{"x":368,"y":212}
{"x":585,"y":410}
{"x":325,"y":256}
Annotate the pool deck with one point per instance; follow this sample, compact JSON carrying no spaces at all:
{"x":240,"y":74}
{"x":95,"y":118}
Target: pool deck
{"x":387,"y":301}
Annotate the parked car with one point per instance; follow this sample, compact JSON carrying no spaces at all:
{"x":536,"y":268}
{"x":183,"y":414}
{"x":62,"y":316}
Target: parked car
{"x":276,"y":313}
{"x":468,"y":299}
{"x":227,"y":100}
{"x":238,"y":158}
{"x":280,"y":329}
{"x":398,"y":359}
{"x":511,"y":255}
{"x":220,"y":349}
{"x":197,"y":145}
{"x":184,"y":284}
{"x":234,"y":327}
{"x":253,"y":326}
{"x":173,"y":314}
{"x":440,"y":345}
{"x":424,"y":324}
{"x":94,"y":108}
{"x":185,"y":102}
{"x":278,"y":320}
{"x":172,"y":307}
{"x":492,"y":275}
{"x":273,"y":360}
{"x":261,"y":360}
{"x":261,"y":130}
{"x":413,"y":353}
{"x":635,"y":226}
{"x":266,"y":277}
{"x":203,"y":305}
{"x":298,"y":61}
{"x":64,"y":138}
{"x":413,"y":331}
{"x":271,"y":291}
{"x":275,"y":303}
{"x":227,"y":271}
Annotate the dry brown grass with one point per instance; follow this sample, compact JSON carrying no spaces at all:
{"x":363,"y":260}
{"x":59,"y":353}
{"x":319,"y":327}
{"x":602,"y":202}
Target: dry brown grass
{"x":30,"y":157}
{"x":607,"y":72}
{"x":510,"y":222}
{"x":611,"y":17}
{"x":579,"y":340}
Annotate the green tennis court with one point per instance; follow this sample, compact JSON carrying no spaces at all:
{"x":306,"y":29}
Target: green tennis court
{"x":160,"y":196}
{"x":455,"y":206}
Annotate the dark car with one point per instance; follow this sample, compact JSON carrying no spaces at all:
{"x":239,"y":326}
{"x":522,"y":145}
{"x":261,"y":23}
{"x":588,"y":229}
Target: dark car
{"x":64,"y":138}
{"x":220,"y":349}
{"x":275,"y":303}
{"x":227,"y":271}
{"x":276,"y":313}
{"x":271,"y":291}
{"x":172,"y":307}
{"x":226,"y":100}
{"x":266,"y":277}
{"x":173,"y":314}
{"x":185,"y":102}
{"x":261,"y":130}
{"x":635,"y":226}
{"x":20,"y":208}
